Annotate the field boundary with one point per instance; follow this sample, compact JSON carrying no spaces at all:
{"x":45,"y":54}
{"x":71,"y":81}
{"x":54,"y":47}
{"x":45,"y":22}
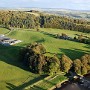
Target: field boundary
{"x":47,"y":78}
{"x":37,"y":82}
{"x":58,"y":84}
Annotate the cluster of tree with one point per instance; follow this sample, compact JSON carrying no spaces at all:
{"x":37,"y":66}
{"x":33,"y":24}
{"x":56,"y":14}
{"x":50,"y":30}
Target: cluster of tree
{"x":80,"y":38}
{"x":83,"y":39}
{"x":51,"y":21}
{"x":21,"y":19}
{"x":34,"y":57}
{"x":17,"y":19}
{"x":82,"y":66}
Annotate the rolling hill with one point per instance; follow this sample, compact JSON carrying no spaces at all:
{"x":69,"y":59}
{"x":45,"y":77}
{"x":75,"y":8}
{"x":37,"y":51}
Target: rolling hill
{"x":13,"y":73}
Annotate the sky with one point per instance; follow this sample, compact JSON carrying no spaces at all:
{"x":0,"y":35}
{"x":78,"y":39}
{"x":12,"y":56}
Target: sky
{"x":65,"y":4}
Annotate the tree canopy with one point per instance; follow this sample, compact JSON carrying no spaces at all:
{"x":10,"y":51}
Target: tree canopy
{"x":20,"y":19}
{"x":34,"y":56}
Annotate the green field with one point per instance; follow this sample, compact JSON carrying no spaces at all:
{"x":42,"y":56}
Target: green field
{"x":49,"y":83}
{"x":13,"y":73}
{"x":3,"y":31}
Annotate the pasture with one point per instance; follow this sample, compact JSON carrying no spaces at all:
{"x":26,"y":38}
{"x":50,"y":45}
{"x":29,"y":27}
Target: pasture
{"x":13,"y":73}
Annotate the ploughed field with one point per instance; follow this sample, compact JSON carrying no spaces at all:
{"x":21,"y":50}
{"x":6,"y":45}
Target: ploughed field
{"x":13,"y":74}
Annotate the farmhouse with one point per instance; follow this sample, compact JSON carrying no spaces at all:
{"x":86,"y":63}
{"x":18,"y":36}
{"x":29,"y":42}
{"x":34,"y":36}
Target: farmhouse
{"x":8,"y":41}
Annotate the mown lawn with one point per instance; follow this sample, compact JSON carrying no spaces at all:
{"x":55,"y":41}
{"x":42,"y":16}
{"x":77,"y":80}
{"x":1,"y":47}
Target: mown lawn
{"x":53,"y":45}
{"x":3,"y":30}
{"x":13,"y":73}
{"x":49,"y":83}
{"x":60,"y":31}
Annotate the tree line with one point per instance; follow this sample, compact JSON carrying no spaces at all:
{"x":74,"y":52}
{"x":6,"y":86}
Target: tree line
{"x":34,"y":56}
{"x":20,"y":19}
{"x":78,"y":38}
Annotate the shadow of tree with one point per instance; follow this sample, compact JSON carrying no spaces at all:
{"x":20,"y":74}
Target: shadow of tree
{"x":87,"y":46}
{"x":49,"y":34}
{"x":36,"y":88}
{"x":74,"y":53}
{"x":10,"y":86}
{"x":41,"y":40}
{"x":10,"y":55}
{"x":25,"y":84}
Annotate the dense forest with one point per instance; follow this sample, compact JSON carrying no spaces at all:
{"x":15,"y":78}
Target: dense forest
{"x":34,"y":57}
{"x":19,"y":19}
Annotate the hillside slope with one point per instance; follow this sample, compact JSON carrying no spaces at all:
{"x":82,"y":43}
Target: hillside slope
{"x":13,"y":73}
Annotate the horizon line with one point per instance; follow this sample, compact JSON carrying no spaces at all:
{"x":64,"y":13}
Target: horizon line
{"x":43,"y":8}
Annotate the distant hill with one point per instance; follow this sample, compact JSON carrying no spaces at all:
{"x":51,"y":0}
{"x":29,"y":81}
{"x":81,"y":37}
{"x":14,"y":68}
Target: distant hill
{"x":80,"y":14}
{"x":35,"y":18}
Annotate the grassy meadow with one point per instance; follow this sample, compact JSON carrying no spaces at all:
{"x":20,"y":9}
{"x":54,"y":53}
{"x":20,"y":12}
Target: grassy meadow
{"x":3,"y":30}
{"x":13,"y":74}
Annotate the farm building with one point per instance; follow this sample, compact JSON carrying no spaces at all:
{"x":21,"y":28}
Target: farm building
{"x":8,"y":41}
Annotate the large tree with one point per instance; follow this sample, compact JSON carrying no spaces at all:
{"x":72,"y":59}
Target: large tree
{"x":77,"y":66}
{"x":33,"y":56}
{"x":66,"y":63}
